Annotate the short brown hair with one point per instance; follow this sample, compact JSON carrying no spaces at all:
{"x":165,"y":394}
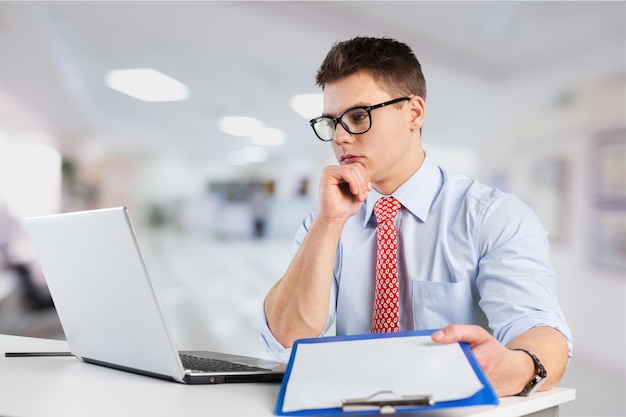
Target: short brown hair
{"x":390,"y":63}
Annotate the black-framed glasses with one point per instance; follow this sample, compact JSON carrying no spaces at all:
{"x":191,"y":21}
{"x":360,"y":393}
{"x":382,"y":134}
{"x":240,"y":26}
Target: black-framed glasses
{"x":356,"y":120}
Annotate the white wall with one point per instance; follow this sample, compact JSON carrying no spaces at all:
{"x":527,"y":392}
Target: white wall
{"x":30,"y":177}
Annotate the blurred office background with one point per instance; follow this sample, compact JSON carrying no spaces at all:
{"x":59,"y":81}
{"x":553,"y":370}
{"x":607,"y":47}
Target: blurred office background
{"x":526,"y":96}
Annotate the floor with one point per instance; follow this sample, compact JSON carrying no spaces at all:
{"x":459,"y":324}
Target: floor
{"x":212,"y":291}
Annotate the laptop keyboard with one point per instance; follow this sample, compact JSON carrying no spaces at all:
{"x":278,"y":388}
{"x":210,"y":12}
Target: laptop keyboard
{"x":198,"y":363}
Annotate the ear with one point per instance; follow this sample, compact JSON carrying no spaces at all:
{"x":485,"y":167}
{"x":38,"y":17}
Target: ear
{"x":417,"y":107}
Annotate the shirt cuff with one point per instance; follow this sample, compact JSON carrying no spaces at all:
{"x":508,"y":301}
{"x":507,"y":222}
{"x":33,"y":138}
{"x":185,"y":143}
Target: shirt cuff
{"x":272,"y":346}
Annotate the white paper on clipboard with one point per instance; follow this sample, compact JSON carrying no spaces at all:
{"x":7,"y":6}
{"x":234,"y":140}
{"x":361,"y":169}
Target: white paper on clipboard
{"x":323,"y":375}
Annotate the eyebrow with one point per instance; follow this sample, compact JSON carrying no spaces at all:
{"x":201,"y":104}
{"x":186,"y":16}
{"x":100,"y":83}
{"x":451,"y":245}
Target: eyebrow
{"x":362,"y":104}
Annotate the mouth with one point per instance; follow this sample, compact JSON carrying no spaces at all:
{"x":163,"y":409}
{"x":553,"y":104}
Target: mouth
{"x":349,"y":159}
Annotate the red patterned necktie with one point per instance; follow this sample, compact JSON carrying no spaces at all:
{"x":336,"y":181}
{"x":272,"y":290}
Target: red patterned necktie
{"x":386,"y":317}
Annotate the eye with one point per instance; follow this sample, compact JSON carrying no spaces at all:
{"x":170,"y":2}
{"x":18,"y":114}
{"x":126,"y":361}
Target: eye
{"x":357,"y":116}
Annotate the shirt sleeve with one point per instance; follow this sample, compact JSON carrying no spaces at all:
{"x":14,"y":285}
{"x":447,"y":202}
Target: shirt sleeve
{"x":516,"y":281}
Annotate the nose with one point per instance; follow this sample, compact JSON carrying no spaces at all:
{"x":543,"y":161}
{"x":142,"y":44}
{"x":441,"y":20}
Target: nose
{"x":342,"y":135}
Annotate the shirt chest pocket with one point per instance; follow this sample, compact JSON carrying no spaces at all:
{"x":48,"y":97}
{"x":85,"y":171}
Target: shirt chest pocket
{"x":437,"y":304}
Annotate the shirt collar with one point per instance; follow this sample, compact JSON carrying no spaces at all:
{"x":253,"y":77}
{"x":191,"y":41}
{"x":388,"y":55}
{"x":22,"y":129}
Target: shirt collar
{"x":416,"y":194}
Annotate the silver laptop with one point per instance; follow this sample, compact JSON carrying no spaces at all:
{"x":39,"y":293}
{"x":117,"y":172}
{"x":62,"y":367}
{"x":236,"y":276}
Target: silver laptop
{"x":108,"y":306}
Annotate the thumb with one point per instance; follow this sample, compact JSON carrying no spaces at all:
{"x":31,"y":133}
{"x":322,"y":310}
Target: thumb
{"x":452,"y":333}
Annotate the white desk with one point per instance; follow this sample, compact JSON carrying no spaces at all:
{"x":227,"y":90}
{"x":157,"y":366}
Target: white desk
{"x":64,"y":386}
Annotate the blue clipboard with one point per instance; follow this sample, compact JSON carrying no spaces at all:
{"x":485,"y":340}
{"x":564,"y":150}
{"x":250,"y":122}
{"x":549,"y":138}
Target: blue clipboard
{"x":485,"y":396}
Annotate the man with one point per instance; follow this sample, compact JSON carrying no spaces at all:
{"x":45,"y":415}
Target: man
{"x":471,"y":261}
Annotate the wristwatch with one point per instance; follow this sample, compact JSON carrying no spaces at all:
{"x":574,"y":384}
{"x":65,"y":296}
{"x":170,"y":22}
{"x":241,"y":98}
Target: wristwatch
{"x":538,"y":379}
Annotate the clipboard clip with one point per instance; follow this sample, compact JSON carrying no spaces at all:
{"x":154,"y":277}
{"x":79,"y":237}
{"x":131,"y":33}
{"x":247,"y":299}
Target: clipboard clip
{"x":386,"y":402}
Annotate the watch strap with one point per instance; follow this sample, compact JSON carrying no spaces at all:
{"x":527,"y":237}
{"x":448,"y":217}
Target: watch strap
{"x":538,"y":378}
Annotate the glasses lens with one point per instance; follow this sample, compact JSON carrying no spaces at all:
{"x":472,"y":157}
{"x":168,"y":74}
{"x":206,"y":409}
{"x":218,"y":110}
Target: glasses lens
{"x":325,"y":128}
{"x":356,"y":121}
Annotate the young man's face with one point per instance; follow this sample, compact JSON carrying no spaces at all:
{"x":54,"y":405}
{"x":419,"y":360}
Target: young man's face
{"x":391,"y":150}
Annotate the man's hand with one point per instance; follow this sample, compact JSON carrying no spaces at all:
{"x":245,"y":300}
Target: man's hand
{"x":509,"y":371}
{"x":343,"y":189}
{"x":491,"y":354}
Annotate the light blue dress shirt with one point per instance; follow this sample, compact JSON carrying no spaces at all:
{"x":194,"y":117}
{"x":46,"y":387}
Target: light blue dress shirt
{"x":467,"y":254}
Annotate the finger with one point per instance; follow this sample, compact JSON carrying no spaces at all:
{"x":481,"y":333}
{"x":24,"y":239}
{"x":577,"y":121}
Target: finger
{"x":358,"y":181}
{"x":471,"y":334}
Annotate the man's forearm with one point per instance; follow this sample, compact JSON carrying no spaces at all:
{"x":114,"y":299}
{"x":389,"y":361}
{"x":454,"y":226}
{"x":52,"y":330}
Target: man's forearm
{"x":550,"y":346}
{"x":297,"y":306}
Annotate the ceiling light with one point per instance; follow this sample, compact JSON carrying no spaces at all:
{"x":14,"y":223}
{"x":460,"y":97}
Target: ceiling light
{"x":146,"y":84}
{"x":240,"y":126}
{"x":308,"y":105}
{"x":268,"y":136}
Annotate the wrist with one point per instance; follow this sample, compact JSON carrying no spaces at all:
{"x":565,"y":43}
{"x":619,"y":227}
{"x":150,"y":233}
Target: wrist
{"x":537,"y":377}
{"x":329,"y":223}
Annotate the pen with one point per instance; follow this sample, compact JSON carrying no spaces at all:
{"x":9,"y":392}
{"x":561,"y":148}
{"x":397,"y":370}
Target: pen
{"x":35,"y":354}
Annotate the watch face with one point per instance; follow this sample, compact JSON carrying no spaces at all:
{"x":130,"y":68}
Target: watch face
{"x":535,"y":383}
{"x":539,"y":383}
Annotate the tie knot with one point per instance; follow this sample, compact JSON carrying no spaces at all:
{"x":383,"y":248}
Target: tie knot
{"x":386,"y":208}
